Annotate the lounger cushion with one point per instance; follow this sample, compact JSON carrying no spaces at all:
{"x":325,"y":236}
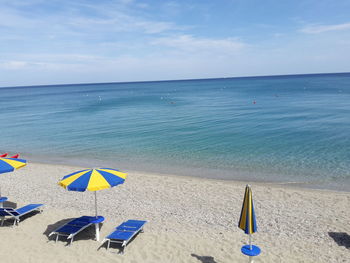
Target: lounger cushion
{"x":131,"y":225}
{"x":127,"y":228}
{"x":81,"y":221}
{"x":121,"y":235}
{"x":68,"y":229}
{"x":76,"y":225}
{"x":28,"y":208}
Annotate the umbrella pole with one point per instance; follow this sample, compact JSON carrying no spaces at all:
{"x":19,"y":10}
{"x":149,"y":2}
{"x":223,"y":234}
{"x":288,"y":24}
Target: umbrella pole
{"x":250,"y":241}
{"x":97,"y":227}
{"x":96,"y":204}
{"x":250,"y":247}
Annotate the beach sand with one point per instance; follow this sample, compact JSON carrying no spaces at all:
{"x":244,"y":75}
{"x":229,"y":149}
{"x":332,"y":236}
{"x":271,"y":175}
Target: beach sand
{"x":189,"y":220}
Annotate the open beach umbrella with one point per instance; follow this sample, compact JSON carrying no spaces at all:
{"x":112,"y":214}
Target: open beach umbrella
{"x":10,"y":164}
{"x":93,"y":180}
{"x":247,"y":223}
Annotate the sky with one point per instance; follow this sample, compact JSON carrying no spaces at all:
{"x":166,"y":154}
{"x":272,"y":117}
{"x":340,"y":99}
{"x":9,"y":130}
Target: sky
{"x":88,"y":41}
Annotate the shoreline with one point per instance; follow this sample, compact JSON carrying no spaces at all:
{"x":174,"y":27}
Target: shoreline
{"x":186,"y":216}
{"x":297,"y":185}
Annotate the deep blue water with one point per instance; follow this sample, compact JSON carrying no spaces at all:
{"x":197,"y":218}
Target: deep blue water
{"x":285,"y":129}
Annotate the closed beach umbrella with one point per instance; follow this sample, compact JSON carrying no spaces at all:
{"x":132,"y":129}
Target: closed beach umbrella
{"x":10,"y":164}
{"x":93,"y":180}
{"x":247,"y":223}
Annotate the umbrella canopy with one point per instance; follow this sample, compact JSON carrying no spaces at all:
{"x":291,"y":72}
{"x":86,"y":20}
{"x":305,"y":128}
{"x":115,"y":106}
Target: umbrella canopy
{"x":10,"y":164}
{"x":247,"y":220}
{"x":92,"y":179}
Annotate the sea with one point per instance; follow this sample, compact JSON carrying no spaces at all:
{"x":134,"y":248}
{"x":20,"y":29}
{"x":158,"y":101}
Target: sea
{"x":292,"y":129}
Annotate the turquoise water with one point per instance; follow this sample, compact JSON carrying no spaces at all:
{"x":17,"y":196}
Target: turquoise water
{"x":280,"y":129}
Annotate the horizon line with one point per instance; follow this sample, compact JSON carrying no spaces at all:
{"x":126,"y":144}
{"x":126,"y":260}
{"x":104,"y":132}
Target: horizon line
{"x":172,"y":80}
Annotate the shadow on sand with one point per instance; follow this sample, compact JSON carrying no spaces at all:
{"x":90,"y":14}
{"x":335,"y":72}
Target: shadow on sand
{"x":341,"y":238}
{"x":86,"y":234}
{"x":204,"y":259}
{"x":10,"y":204}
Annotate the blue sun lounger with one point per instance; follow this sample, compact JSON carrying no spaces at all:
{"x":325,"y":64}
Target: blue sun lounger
{"x":124,"y":233}
{"x":17,"y":213}
{"x":75,"y":226}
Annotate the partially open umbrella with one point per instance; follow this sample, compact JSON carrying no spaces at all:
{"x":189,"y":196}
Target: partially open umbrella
{"x":93,"y":180}
{"x":247,"y":223}
{"x":9,"y":165}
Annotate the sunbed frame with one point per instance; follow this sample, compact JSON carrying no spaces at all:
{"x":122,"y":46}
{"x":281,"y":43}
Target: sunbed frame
{"x":128,"y":229}
{"x":75,"y":226}
{"x":17,"y":213}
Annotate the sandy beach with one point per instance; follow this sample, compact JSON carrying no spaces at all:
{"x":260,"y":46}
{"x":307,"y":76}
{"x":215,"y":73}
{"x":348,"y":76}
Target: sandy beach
{"x":189,"y":220}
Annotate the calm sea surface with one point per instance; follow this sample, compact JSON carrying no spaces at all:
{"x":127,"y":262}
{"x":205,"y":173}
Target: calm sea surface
{"x":293,"y":129}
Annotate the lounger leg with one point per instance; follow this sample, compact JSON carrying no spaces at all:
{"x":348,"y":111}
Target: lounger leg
{"x":97,"y":228}
{"x":71,"y":241}
{"x":57,"y":236}
{"x":108,"y":244}
{"x":122,"y":250}
{"x":2,"y":221}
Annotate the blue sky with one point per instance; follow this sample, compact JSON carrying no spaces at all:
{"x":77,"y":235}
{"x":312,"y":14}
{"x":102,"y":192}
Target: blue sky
{"x":81,"y":41}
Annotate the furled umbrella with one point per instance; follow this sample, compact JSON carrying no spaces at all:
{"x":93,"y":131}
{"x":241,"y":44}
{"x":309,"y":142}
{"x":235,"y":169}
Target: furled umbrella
{"x":9,"y":165}
{"x":93,"y":180}
{"x":247,"y":223}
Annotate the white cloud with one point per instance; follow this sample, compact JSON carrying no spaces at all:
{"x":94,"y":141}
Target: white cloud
{"x":13,"y":65}
{"x":191,"y":43}
{"x":83,"y":19}
{"x":49,"y":62}
{"x":316,"y":29}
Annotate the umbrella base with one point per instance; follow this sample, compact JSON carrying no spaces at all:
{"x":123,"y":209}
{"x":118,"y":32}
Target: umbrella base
{"x":255,"y":251}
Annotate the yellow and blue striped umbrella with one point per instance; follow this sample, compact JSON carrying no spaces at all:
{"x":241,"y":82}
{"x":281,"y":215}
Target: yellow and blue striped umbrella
{"x":248,"y":224}
{"x":92,"y":179}
{"x":10,"y":164}
{"x":247,"y":220}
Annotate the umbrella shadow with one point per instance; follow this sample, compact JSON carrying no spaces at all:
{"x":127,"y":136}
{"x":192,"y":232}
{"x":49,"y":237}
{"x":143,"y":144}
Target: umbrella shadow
{"x":54,"y":226}
{"x":10,"y":204}
{"x":86,"y":234}
{"x":204,"y":259}
{"x":341,"y":238}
